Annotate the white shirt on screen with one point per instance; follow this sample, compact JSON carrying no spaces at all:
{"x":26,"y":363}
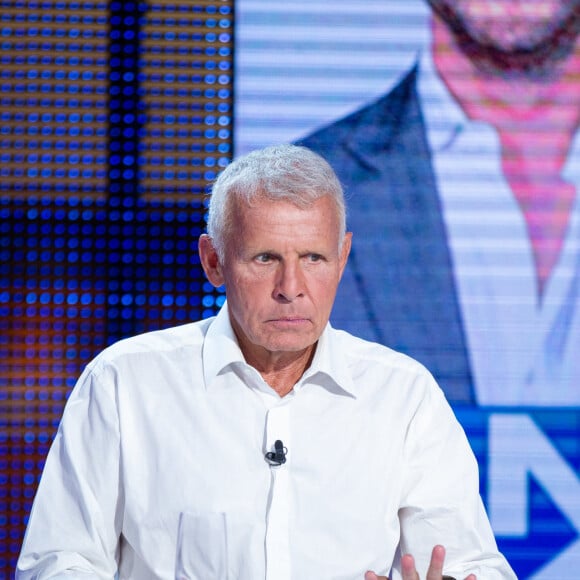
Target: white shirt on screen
{"x":158,"y":468}
{"x":522,"y":353}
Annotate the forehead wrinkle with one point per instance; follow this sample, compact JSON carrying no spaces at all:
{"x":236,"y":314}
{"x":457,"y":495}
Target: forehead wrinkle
{"x":264,"y":228}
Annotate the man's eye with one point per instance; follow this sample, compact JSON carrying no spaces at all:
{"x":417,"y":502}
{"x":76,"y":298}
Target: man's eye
{"x":264,"y":258}
{"x":315,"y":257}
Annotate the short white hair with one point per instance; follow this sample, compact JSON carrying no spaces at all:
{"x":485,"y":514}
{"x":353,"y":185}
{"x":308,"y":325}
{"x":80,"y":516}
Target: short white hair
{"x":289,"y":173}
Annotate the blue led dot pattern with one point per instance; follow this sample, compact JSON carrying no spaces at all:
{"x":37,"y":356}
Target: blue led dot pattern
{"x":52,"y":322}
{"x":186,"y":85}
{"x":115,"y":118}
{"x":53,"y":124}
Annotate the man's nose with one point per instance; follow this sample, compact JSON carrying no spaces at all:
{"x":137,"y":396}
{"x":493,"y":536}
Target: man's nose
{"x":290,"y":283}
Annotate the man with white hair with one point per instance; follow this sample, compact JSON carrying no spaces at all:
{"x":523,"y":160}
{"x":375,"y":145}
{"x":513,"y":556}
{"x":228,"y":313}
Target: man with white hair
{"x":261,"y":443}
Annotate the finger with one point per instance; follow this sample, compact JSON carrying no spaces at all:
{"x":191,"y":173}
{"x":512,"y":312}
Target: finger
{"x":372,"y":576}
{"x":408,"y":569}
{"x":471,"y":577}
{"x":435,"y":570}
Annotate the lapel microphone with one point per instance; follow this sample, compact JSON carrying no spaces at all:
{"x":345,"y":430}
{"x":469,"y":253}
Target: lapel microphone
{"x":278,"y":456}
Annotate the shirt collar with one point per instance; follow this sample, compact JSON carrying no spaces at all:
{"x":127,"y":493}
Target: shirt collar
{"x":220,"y":347}
{"x":444,"y":118}
{"x":571,"y":169}
{"x":329,"y":368}
{"x":446,"y":121}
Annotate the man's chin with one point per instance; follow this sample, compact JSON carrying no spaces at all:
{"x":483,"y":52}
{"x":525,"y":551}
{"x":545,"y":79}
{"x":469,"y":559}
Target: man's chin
{"x":289,"y":344}
{"x":517,"y":46}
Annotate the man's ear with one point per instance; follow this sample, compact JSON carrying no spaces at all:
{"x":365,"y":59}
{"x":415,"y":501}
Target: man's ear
{"x":210,"y":261}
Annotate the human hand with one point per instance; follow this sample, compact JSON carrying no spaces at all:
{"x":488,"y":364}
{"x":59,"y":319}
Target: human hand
{"x":435,"y":571}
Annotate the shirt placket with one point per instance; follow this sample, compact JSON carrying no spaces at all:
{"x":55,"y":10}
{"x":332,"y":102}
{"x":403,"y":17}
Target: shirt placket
{"x":277,"y":527}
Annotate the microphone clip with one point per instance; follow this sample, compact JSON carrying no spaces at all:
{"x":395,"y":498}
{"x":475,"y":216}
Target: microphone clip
{"x":278,"y":456}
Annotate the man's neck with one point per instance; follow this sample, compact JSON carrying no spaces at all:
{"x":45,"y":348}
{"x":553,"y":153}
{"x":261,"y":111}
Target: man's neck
{"x":536,"y":116}
{"x":282,"y":370}
{"x":509,"y":100}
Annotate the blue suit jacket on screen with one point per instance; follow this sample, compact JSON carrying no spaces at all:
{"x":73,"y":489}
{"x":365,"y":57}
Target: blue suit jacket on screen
{"x":398,"y":288}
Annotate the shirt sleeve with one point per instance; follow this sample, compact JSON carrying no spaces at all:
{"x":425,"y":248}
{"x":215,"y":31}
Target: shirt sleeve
{"x":75,"y":520}
{"x":440,"y":501}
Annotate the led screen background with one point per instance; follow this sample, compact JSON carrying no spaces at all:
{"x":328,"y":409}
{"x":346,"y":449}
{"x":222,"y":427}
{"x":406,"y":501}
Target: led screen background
{"x":303,"y":66}
{"x":115,"y":117}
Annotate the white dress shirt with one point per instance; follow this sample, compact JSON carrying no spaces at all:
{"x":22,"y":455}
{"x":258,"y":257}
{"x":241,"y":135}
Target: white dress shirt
{"x":522,"y":351}
{"x":158,"y":468}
